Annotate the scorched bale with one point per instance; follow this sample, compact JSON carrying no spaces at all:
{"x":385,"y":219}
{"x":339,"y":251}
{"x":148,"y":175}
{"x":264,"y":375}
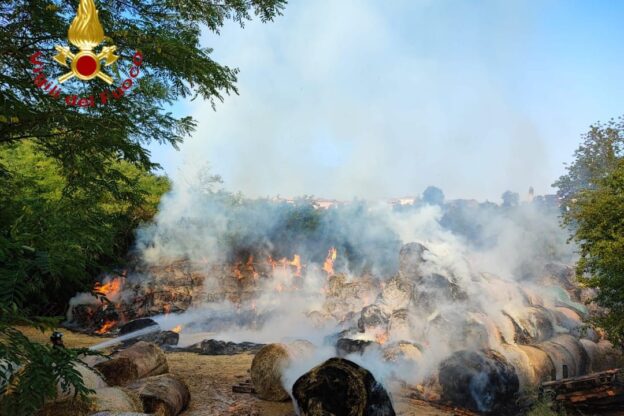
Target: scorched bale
{"x":339,"y":387}
{"x":479,"y":380}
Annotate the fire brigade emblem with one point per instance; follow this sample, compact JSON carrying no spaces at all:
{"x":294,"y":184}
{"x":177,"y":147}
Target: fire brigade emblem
{"x":86,"y":33}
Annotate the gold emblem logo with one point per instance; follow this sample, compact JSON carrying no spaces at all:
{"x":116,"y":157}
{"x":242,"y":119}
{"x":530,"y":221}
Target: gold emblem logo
{"x":86,"y":33}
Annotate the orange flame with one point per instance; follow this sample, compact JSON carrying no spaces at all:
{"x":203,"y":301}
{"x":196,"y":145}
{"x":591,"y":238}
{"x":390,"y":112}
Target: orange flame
{"x":107,"y":326}
{"x":177,"y":329}
{"x":328,"y":266}
{"x":296,"y":261}
{"x":110,"y":288}
{"x":382,"y":337}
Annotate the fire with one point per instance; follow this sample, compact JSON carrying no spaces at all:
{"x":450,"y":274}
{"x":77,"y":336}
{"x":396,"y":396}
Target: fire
{"x":111,"y":288}
{"x":381,"y":337}
{"x":177,"y":329}
{"x":328,"y":266}
{"x":107,"y":326}
{"x":296,"y":262}
{"x":284,"y":263}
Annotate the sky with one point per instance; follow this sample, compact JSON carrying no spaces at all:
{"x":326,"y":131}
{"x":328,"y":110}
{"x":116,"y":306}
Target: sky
{"x":378,"y":99}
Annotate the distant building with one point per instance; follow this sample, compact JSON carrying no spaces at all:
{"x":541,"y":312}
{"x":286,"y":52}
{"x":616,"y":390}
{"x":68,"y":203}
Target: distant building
{"x":406,"y":200}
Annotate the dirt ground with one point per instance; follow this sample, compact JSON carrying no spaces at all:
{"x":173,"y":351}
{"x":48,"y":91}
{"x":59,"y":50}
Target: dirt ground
{"x":210,"y":380}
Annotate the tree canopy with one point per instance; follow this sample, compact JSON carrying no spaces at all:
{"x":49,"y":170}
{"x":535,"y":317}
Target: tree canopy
{"x":75,"y":182}
{"x":592,"y":196}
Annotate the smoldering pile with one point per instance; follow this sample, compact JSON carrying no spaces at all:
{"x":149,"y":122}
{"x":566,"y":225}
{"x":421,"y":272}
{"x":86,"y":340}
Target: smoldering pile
{"x":473,"y":339}
{"x":432,"y":321}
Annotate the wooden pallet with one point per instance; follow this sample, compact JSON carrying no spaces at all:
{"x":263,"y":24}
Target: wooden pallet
{"x":599,"y":390}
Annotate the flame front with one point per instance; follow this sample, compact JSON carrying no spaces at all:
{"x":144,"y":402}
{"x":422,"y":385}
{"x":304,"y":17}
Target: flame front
{"x":111,"y":288}
{"x":328,"y":266}
{"x":86,"y":31}
{"x":107,"y":326}
{"x":177,"y":329}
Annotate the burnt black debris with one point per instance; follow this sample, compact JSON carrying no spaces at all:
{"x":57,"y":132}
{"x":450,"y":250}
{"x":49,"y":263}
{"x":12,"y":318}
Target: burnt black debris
{"x":339,"y":387}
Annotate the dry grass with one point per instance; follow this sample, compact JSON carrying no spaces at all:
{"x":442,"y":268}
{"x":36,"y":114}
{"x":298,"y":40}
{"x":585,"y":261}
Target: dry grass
{"x":210,"y":380}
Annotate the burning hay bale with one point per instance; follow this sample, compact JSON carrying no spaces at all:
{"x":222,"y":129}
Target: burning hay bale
{"x":478,"y":380}
{"x":164,"y":394}
{"x":143,"y":359}
{"x":268,"y":365}
{"x":341,"y":387}
{"x":402,"y":350}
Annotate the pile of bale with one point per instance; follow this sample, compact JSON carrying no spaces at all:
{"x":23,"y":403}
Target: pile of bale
{"x":135,"y":379}
{"x":335,"y":387}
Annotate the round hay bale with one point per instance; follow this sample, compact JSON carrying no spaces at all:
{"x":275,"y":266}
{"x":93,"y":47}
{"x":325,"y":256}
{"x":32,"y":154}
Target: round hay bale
{"x":483,"y":381}
{"x":568,"y":356}
{"x":113,"y":400}
{"x":411,"y":258}
{"x":91,"y":379}
{"x":372,"y":316}
{"x":396,"y":294}
{"x":608,"y":357}
{"x":266,"y":372}
{"x":116,"y":399}
{"x":540,"y":363}
{"x":402,"y":350}
{"x":398,"y":323}
{"x":165,"y":395}
{"x":341,"y":387}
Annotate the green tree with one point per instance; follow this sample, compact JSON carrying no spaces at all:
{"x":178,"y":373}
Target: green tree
{"x":598,"y":215}
{"x":595,"y":158}
{"x":75,"y":182}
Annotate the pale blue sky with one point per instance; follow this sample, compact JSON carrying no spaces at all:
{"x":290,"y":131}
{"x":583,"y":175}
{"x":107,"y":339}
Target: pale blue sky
{"x":382,"y":98}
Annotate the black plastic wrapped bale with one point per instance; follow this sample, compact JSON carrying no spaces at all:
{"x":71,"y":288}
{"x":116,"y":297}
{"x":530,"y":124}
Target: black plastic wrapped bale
{"x":339,"y":387}
{"x":136,"y":325}
{"x":346,"y":346}
{"x":216,"y":347}
{"x":479,"y":380}
{"x":160,"y":338}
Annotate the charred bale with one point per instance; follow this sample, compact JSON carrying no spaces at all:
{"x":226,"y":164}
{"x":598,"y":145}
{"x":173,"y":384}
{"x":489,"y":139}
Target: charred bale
{"x":142,"y":359}
{"x":340,"y":387}
{"x":216,"y":347}
{"x":160,"y":338}
{"x":411,"y":258}
{"x":136,"y":325}
{"x":165,"y":394}
{"x":479,"y":380}
{"x":371,"y":317}
{"x":346,"y":346}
